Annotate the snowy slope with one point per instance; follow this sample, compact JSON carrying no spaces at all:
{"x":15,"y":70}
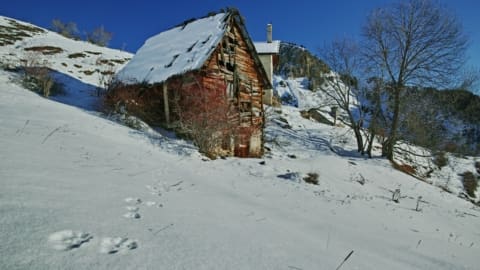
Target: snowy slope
{"x":294,"y":93}
{"x":81,"y":192}
{"x":86,"y":62}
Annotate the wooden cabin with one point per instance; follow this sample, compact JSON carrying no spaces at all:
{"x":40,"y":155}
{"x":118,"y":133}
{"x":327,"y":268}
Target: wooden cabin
{"x":202,"y":78}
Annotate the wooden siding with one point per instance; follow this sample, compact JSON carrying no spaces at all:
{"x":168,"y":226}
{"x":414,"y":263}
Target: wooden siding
{"x":233,"y":63}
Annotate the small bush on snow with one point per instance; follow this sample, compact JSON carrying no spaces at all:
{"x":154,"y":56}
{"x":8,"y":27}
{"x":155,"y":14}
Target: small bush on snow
{"x":311,"y":178}
{"x":440,"y":159}
{"x":470,"y":183}
{"x":39,"y":79}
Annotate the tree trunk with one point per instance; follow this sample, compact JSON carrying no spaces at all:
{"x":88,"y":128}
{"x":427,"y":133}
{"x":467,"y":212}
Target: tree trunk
{"x":358,"y":136}
{"x":356,"y":127}
{"x":392,"y":139}
{"x":370,"y":144}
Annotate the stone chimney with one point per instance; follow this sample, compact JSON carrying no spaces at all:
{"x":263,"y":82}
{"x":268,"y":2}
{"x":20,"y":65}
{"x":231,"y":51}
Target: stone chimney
{"x":269,"y":33}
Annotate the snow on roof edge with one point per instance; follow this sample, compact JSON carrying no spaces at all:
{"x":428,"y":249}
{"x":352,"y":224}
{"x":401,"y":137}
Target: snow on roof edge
{"x":175,"y":51}
{"x":267,"y":47}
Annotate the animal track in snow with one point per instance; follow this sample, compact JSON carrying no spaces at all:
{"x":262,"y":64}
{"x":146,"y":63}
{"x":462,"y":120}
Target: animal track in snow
{"x":154,"y":190}
{"x":133,"y":200}
{"x":132,"y":212}
{"x":68,"y":239}
{"x":132,"y":208}
{"x":110,"y":245}
{"x":150,"y":203}
{"x":132,"y":215}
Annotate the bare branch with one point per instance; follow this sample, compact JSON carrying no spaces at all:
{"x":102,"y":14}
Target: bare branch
{"x":413,"y":43}
{"x":342,"y":87}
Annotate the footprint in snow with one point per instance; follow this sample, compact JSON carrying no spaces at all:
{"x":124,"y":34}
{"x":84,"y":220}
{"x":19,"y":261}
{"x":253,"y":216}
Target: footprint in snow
{"x":132,"y":208}
{"x":132,"y":215}
{"x":132,"y":212}
{"x":154,"y":190}
{"x":111,"y":245}
{"x":133,"y":200}
{"x":68,"y":239}
{"x":150,"y":203}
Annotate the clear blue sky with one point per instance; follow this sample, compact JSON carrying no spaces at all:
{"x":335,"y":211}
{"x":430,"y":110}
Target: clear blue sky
{"x":309,"y":23}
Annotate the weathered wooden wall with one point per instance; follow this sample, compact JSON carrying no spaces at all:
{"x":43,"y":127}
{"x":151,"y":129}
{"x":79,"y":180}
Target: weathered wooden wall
{"x":233,"y":62}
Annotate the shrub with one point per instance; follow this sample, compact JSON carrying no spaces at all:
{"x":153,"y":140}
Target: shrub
{"x":46,"y":50}
{"x":470,"y":183}
{"x":94,"y":53}
{"x":311,"y":178}
{"x":40,"y":80}
{"x":37,"y":77}
{"x":77,"y":55}
{"x":440,"y":159}
{"x":304,"y":114}
{"x":88,"y":72}
{"x":106,"y":80}
{"x":203,"y":116}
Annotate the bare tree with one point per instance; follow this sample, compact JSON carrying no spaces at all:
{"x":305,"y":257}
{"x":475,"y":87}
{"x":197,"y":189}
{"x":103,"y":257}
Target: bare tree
{"x":469,"y":80}
{"x":68,"y":30}
{"x":342,"y":88}
{"x":100,"y":36}
{"x":373,"y":91}
{"x":412,"y":43}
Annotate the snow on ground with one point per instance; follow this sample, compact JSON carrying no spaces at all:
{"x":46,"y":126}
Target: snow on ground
{"x":295,"y":92}
{"x":82,"y":192}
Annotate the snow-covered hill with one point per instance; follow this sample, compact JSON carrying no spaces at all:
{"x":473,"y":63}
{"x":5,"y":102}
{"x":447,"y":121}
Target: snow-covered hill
{"x":294,"y":92}
{"x":81,"y":192}
{"x":22,"y":42}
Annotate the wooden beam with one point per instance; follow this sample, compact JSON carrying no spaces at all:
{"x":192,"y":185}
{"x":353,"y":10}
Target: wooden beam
{"x":165,"y":103}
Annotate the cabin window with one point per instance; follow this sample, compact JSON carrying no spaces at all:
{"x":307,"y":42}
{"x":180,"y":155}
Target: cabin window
{"x":230,"y":90}
{"x":230,"y":66}
{"x":245,"y":106}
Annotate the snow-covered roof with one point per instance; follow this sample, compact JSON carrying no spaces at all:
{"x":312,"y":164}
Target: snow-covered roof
{"x":175,"y":51}
{"x":267,"y":47}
